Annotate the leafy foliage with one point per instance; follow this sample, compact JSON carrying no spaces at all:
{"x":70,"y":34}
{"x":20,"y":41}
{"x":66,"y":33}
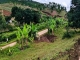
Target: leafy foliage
{"x":29,"y":3}
{"x":33,"y":30}
{"x":10,"y":36}
{"x":55,"y":6}
{"x":2,"y":22}
{"x":37,"y":5}
{"x":74,"y":13}
{"x":25,"y":16}
{"x":23,"y":34}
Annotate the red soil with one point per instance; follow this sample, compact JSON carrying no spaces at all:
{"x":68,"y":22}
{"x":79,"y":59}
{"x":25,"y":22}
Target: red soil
{"x":6,"y":13}
{"x":46,"y":38}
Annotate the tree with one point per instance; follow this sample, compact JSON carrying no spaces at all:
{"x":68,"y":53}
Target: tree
{"x":55,"y":6}
{"x":25,"y":16}
{"x":23,"y":35}
{"x":2,"y":22}
{"x":74,"y":14}
{"x":14,"y":11}
{"x":51,"y":26}
{"x":33,"y":30}
{"x":18,"y":13}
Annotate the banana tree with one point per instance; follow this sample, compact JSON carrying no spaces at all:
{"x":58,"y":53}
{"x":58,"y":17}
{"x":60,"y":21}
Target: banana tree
{"x":59,"y":22}
{"x":51,"y":26}
{"x":33,"y":30}
{"x":22,"y":35}
{"x":19,"y":37}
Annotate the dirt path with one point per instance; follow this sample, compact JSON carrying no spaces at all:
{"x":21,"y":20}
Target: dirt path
{"x":79,"y":58}
{"x":9,"y":45}
{"x":42,"y":32}
{"x":14,"y":43}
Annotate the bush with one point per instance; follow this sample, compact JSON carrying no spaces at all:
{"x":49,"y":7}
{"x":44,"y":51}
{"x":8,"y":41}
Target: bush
{"x":66,"y":35}
{"x":2,"y":23}
{"x":25,"y":16}
{"x":7,"y":18}
{"x":9,"y":51}
{"x":12,"y":36}
{"x":69,"y":34}
{"x":3,"y":37}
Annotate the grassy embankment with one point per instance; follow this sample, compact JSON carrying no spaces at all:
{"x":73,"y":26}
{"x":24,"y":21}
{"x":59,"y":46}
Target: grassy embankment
{"x":43,"y":50}
{"x":7,"y":34}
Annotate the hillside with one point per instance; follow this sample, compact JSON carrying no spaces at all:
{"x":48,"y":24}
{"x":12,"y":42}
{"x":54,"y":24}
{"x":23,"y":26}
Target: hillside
{"x":8,"y":4}
{"x":37,"y":31}
{"x":29,"y":3}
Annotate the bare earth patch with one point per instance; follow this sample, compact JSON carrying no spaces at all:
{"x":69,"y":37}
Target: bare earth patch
{"x":46,"y":38}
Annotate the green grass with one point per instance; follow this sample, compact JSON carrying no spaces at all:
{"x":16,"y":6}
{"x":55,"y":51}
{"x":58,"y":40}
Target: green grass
{"x":10,"y":41}
{"x":45,"y":50}
{"x":8,"y":33}
{"x":64,"y":57}
{"x":8,"y":6}
{"x":5,"y":43}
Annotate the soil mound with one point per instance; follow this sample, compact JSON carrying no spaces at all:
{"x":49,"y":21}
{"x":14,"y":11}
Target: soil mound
{"x":46,"y":38}
{"x":74,"y":53}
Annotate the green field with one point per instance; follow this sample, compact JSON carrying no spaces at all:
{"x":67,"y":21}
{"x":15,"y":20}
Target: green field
{"x":44,"y":50}
{"x":32,"y":17}
{"x":8,"y":6}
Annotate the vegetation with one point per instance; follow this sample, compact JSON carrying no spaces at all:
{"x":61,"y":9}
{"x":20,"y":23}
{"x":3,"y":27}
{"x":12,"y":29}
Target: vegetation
{"x":32,"y":20}
{"x":43,"y":50}
{"x":22,"y":35}
{"x":55,"y":6}
{"x":37,"y":5}
{"x":25,"y":16}
{"x":73,"y":14}
{"x":2,"y":23}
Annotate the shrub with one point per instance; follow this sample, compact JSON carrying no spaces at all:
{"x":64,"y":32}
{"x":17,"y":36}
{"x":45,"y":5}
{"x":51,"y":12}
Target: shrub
{"x":23,"y":35}
{"x":7,"y":51}
{"x":3,"y":37}
{"x":26,"y":16}
{"x":2,"y":23}
{"x":67,"y":35}
{"x":12,"y":36}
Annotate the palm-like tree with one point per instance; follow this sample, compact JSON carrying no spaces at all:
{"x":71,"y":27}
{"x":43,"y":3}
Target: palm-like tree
{"x":23,"y":34}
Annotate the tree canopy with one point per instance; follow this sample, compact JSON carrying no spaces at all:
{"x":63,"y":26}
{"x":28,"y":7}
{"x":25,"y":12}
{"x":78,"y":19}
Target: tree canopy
{"x":2,"y":22}
{"x":74,"y":14}
{"x":25,"y":16}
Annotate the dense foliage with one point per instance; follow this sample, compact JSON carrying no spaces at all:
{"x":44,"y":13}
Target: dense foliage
{"x":37,"y":5}
{"x":23,"y":35}
{"x":25,"y":16}
{"x":30,"y":3}
{"x":2,"y":22}
{"x":55,"y":6}
{"x":74,"y":14}
{"x":9,"y":36}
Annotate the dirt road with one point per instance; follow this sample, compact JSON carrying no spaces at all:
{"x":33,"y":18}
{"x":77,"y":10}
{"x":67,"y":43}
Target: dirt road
{"x":9,"y":45}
